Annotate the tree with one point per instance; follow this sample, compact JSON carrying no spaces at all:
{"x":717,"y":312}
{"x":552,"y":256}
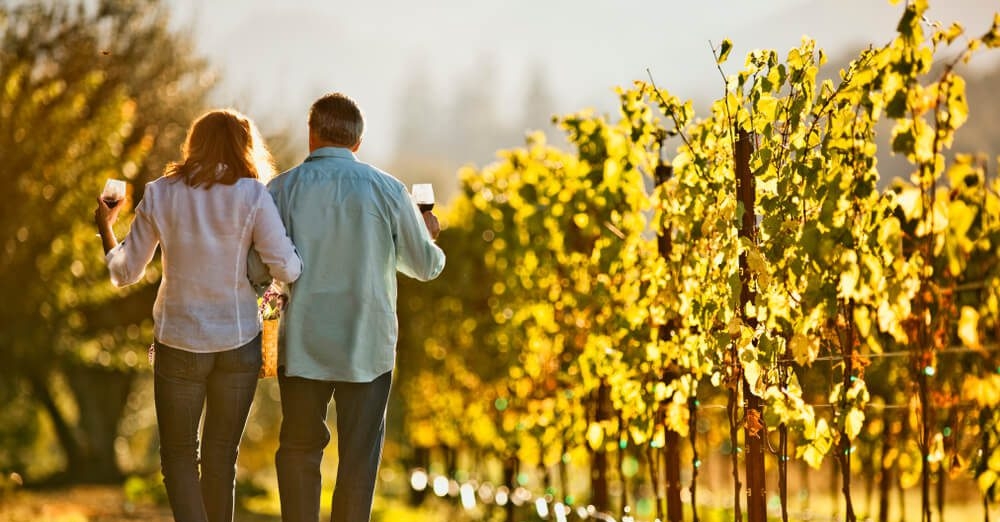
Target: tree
{"x":89,"y":92}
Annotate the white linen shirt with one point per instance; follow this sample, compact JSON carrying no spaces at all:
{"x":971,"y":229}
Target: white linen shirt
{"x":205,"y":302}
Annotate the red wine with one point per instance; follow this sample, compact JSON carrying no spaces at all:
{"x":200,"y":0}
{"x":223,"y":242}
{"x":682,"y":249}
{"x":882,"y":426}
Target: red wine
{"x":425,"y":207}
{"x":111,"y":203}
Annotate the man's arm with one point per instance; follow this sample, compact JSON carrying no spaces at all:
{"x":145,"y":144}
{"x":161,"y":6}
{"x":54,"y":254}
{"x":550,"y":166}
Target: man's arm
{"x":417,"y":255}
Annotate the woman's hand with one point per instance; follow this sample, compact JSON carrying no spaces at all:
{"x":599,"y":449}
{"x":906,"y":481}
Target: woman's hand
{"x":105,"y":215}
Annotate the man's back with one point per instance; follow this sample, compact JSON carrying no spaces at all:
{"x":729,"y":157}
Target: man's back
{"x":354,"y":226}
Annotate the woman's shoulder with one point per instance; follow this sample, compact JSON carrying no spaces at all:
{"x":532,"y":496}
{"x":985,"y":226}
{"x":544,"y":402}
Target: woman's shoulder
{"x":250,"y":186}
{"x":253,"y":184}
{"x":157,"y":186}
{"x":165,"y":183}
{"x":251,"y":190}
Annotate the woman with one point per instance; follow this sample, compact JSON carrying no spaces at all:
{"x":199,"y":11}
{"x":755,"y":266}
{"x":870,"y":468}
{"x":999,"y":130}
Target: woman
{"x":205,"y":213}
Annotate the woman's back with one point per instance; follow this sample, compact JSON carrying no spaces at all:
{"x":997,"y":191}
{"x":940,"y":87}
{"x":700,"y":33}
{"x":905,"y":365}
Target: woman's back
{"x":205,"y":302}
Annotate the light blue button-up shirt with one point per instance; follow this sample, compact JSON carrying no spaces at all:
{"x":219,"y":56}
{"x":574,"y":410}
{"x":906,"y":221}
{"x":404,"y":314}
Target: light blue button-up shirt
{"x":354,"y":226}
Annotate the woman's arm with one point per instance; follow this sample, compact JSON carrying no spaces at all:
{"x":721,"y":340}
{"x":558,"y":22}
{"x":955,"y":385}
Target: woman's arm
{"x":272,"y":244}
{"x":127,"y":260}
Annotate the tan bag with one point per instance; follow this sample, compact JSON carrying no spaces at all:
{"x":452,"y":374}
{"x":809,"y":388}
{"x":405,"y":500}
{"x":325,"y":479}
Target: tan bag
{"x":270,"y":306}
{"x":269,"y":349}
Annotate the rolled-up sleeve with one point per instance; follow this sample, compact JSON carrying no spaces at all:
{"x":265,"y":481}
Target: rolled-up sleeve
{"x":417,"y":255}
{"x":127,"y":261}
{"x":272,"y":244}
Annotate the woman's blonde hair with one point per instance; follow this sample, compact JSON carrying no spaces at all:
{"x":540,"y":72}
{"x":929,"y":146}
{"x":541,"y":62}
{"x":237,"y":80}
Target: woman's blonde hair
{"x":222,"y":146}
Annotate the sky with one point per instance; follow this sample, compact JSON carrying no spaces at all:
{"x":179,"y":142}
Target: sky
{"x":276,"y":57}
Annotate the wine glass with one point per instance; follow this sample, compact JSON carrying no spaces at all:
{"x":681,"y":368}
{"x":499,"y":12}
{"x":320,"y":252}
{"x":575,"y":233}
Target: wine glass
{"x":423,"y":195}
{"x":113,"y":193}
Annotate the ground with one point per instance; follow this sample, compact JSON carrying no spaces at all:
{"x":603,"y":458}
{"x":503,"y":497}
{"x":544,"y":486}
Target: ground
{"x":88,"y":504}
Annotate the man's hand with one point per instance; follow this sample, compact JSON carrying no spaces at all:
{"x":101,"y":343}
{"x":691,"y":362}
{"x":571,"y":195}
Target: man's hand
{"x":431,"y":221}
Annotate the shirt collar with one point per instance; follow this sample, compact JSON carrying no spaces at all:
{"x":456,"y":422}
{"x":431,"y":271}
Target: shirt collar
{"x":331,"y":152}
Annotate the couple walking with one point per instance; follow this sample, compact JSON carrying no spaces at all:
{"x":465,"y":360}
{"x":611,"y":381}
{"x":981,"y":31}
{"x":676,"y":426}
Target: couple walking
{"x":338,"y":230}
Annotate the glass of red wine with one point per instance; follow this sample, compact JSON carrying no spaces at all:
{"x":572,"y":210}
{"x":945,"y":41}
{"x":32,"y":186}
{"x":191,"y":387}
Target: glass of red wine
{"x":113,"y":193}
{"x":423,"y":195}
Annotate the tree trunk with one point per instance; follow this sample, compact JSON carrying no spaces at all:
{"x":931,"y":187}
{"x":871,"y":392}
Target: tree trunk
{"x":510,"y":469}
{"x":732,"y":412}
{"x":64,"y":432}
{"x":756,"y":485}
{"x":599,"y":489}
{"x":101,"y":395}
{"x":783,"y":470}
{"x":672,"y":467}
{"x":421,"y":460}
{"x":450,"y":460}
{"x":885,"y":476}
{"x":655,"y":479}
{"x":623,"y":500}
{"x":567,"y":498}
{"x":89,"y":445}
{"x":925,"y":445}
{"x":695,"y":460}
{"x":844,"y":453}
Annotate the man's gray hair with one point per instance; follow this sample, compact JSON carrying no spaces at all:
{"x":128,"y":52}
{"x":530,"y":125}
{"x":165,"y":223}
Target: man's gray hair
{"x":336,"y":118}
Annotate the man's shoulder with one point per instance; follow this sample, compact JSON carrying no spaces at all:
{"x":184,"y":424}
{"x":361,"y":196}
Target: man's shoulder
{"x":282,"y":179}
{"x":357,"y":169}
{"x":386,"y":179}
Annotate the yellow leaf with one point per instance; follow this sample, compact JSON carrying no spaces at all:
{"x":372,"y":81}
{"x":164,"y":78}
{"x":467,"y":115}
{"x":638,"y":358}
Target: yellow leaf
{"x":758,"y":265}
{"x":812,"y":456}
{"x":863,"y":320}
{"x":986,"y":480}
{"x":909,"y":199}
{"x":994,"y":461}
{"x":855,"y":421}
{"x":968,"y":327}
{"x":678,"y":417}
{"x":724,"y":50}
{"x":595,"y":435}
{"x":804,"y":348}
{"x":848,"y":286}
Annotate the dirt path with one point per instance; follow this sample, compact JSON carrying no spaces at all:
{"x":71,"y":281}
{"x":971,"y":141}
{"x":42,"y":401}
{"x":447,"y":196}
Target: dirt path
{"x":89,"y":504}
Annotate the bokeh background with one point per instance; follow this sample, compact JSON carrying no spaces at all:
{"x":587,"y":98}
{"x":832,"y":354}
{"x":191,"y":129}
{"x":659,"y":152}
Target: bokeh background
{"x":102,"y":89}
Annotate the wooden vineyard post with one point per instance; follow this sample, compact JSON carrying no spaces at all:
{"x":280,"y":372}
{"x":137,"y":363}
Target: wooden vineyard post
{"x":753,"y":405}
{"x":672,"y":439}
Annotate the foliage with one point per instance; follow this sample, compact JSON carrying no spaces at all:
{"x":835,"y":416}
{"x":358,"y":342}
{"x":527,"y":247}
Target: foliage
{"x":87,"y":92}
{"x":845,"y":275}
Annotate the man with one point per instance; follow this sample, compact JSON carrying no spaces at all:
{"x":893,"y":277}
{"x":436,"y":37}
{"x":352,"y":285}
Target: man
{"x":354,"y":226}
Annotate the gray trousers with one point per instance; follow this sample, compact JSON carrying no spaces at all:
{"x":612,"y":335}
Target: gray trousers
{"x":304,"y":435}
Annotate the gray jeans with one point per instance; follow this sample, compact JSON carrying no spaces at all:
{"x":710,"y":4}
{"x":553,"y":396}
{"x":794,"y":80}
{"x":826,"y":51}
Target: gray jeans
{"x":223,"y":384}
{"x":304,"y":435}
